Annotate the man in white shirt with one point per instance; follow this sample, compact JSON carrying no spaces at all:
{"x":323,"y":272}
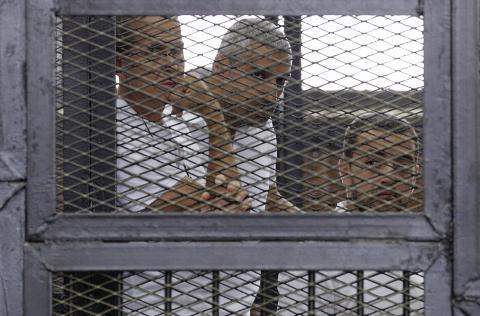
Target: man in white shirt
{"x":248,"y":77}
{"x":379,"y":169}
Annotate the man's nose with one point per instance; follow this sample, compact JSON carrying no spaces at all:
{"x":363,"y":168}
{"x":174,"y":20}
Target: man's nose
{"x":387,"y":174}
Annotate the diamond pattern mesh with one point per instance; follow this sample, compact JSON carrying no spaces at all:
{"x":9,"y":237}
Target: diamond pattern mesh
{"x":239,"y":293}
{"x":239,"y":114}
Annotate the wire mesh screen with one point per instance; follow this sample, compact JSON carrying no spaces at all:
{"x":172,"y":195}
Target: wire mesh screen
{"x":239,"y":293}
{"x":239,"y":114}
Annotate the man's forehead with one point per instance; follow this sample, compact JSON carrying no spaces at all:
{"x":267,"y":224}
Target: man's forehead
{"x":379,"y":139}
{"x":256,"y":50}
{"x":264,"y":57}
{"x":159,"y":28}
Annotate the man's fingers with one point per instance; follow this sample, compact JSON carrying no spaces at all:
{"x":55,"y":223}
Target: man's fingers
{"x":233,"y":186}
{"x":205,"y":196}
{"x":178,"y":111}
{"x":241,"y":196}
{"x":220,"y":179}
{"x":246,"y":205}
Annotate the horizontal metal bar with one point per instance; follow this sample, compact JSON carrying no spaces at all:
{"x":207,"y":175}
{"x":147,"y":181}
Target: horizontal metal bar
{"x":237,"y":227}
{"x":264,"y":7}
{"x":141,"y":256}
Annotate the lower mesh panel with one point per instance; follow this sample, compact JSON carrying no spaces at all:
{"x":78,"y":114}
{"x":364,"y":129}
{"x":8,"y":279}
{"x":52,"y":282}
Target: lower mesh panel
{"x":238,"y":293}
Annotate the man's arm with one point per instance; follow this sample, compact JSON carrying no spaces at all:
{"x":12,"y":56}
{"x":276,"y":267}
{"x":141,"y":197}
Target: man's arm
{"x":223,"y":190}
{"x":195,"y":97}
{"x":277,"y":203}
{"x":188,"y":195}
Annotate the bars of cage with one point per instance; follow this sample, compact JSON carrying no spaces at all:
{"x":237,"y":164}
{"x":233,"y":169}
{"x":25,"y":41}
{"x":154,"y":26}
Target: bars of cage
{"x":88,"y":107}
{"x":86,"y":120}
{"x":290,"y":148}
{"x":75,"y":106}
{"x":103,"y":113}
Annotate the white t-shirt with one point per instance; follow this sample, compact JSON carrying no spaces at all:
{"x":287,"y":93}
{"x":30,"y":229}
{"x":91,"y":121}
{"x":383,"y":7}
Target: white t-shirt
{"x":151,"y":158}
{"x":336,"y":291}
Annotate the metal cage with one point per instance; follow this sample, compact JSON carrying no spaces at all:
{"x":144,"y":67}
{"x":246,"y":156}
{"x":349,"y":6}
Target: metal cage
{"x":42,"y":246}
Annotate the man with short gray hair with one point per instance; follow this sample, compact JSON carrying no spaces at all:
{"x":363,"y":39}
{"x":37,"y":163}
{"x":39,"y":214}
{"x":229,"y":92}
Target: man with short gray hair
{"x":248,"y":77}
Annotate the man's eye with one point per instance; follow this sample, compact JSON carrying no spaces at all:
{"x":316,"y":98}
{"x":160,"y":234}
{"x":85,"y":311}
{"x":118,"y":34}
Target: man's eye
{"x":260,"y":75}
{"x":173,"y":52}
{"x":139,"y":53}
{"x":371,"y":162}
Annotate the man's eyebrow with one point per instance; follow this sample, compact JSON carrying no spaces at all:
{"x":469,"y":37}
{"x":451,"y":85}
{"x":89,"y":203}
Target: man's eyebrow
{"x":375,"y":151}
{"x":409,"y":158}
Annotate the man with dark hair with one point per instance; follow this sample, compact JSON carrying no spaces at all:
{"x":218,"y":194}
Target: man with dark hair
{"x":379,"y":166}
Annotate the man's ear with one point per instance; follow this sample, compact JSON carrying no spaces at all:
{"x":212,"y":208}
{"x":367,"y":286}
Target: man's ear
{"x":221,"y":63}
{"x":119,"y":63}
{"x":344,"y":169}
{"x":417,"y":174}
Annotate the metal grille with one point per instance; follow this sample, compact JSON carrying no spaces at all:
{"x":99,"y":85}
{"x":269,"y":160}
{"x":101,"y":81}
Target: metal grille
{"x":239,"y":293}
{"x":255,"y":118}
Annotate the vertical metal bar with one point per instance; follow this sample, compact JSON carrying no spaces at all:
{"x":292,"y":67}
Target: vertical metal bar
{"x":13,"y":153}
{"x":266,"y":301}
{"x":41,"y":113}
{"x":466,"y":99}
{"x":290,"y":155}
{"x":38,"y":285}
{"x":215,"y":293}
{"x":311,"y":293}
{"x":76,"y":114}
{"x":12,"y":222}
{"x":102,"y":127}
{"x":89,"y":137}
{"x":273,"y":19}
{"x":438,"y":288}
{"x":437,"y":114}
{"x":102,"y":104}
{"x":168,"y":293}
{"x":360,"y":292}
{"x":406,"y":293}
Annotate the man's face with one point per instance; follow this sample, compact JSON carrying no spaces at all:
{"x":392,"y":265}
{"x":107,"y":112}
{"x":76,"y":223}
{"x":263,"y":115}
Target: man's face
{"x":252,"y":83}
{"x":382,"y":170}
{"x":151,"y":68}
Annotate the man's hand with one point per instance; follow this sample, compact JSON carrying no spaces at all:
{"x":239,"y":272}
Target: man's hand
{"x":226,"y":197}
{"x":192,"y":94}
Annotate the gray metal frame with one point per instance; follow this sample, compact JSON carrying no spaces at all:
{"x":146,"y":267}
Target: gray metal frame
{"x":466,"y":101}
{"x":13,"y":154}
{"x":45,"y":223}
{"x":43,"y":259}
{"x":381,"y":242}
